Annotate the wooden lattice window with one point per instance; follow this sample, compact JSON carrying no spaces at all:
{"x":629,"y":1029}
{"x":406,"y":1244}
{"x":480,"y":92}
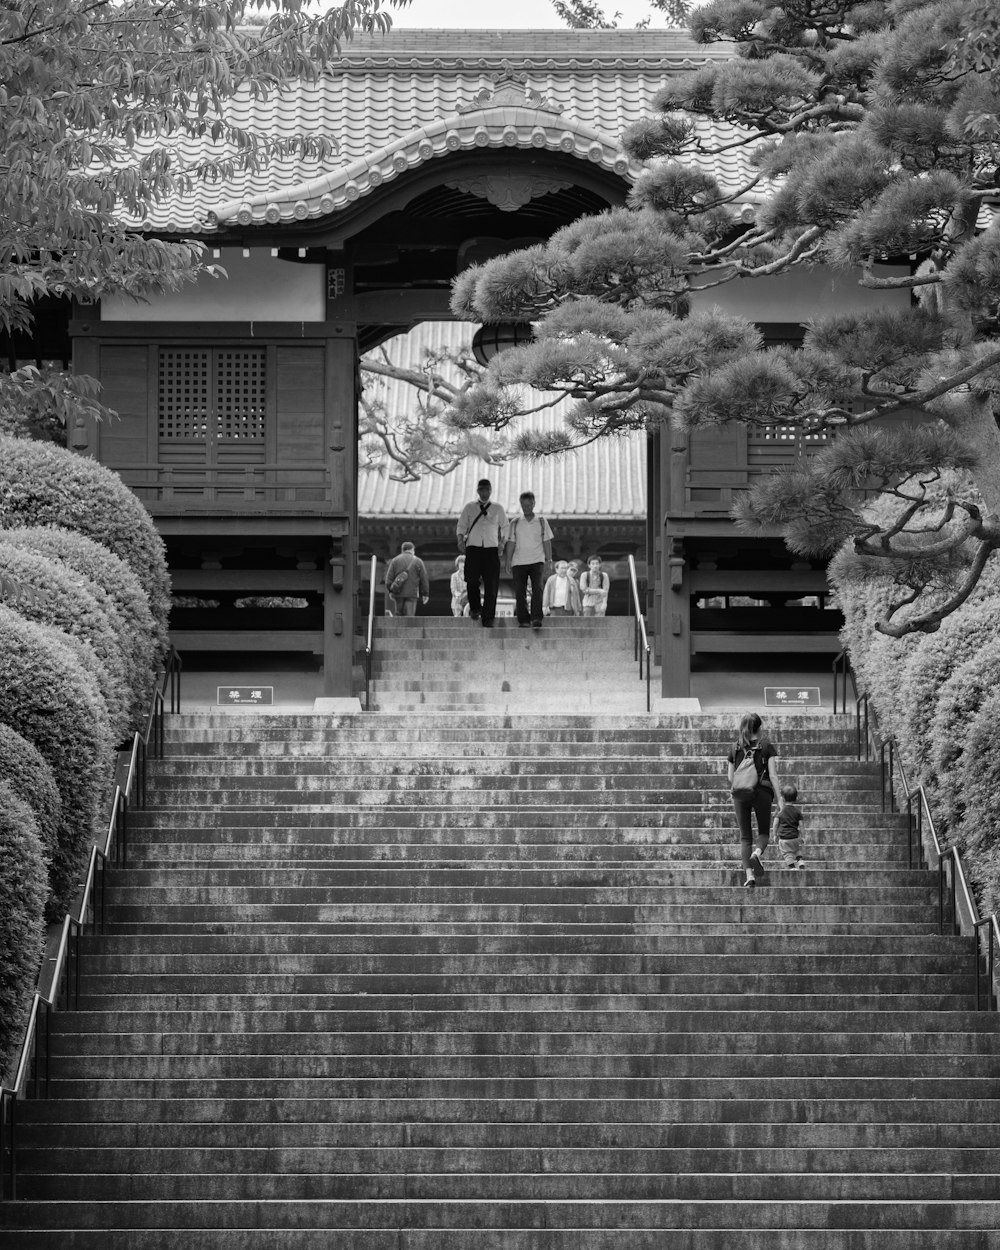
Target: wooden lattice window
{"x":212,"y":395}
{"x":240,"y":394}
{"x":183,"y":391}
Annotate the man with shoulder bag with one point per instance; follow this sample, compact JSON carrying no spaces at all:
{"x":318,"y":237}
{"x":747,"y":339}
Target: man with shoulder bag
{"x":481,"y":534}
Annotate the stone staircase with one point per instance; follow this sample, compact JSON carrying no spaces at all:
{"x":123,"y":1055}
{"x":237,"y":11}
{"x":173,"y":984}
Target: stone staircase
{"x":445,"y":664}
{"x":421,"y":982}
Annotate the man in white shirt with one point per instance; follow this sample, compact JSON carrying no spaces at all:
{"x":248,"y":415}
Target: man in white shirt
{"x":527,"y":555}
{"x":482,"y":532}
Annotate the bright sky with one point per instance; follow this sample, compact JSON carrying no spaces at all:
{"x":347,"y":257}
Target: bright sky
{"x":499,"y":14}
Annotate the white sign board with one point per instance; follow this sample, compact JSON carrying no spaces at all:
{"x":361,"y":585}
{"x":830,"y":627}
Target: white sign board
{"x":792,"y":696}
{"x":245,"y":694}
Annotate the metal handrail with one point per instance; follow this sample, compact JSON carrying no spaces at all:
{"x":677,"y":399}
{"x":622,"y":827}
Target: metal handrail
{"x":64,"y":982}
{"x":639,"y":633}
{"x":955,"y":897}
{"x":370,"y":637}
{"x":841,"y":672}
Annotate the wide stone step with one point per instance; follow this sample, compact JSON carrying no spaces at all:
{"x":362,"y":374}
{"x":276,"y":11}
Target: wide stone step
{"x":599,"y":1213}
{"x":400,"y":882}
{"x":462,"y":1136}
{"x":323,"y":794}
{"x":214,"y":961}
{"x":693,"y":856}
{"x":750,"y":927}
{"x":288,"y":1065}
{"x":438,"y":1047}
{"x":547,"y":1185}
{"x":420,"y":1020}
{"x":518,"y":1162}
{"x":228,"y":729}
{"x":497,"y":741}
{"x":906,"y":1237}
{"x":517,"y":1008}
{"x":853,"y":947}
{"x":622,"y":984}
{"x":689,"y":770}
{"x":517,"y":823}
{"x":782,"y":917}
{"x":475,"y":1099}
{"x":242,"y":886}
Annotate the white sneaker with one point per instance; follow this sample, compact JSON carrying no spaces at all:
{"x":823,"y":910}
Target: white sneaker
{"x":751,"y":880}
{"x":801,"y":864}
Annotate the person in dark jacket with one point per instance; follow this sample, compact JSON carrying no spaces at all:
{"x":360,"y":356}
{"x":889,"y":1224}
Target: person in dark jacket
{"x":406,"y":581}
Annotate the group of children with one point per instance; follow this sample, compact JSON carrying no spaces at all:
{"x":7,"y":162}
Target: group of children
{"x":567,"y":592}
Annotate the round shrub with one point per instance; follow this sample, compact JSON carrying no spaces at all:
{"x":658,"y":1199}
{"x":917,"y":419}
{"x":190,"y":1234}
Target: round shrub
{"x":47,"y":698}
{"x":24,"y":769}
{"x":959,"y":700}
{"x":41,"y":484}
{"x":65,"y":601}
{"x":112,"y":583}
{"x":22,"y":934}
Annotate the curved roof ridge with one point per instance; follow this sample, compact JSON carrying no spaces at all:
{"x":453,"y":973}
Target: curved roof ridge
{"x":489,"y":125}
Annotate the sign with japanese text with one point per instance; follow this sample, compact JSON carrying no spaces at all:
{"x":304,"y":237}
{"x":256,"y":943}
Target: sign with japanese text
{"x":792,"y":696}
{"x":245,"y":694}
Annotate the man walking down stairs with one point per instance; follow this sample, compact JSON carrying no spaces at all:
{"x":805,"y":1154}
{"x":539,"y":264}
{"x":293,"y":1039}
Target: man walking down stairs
{"x":417,"y":980}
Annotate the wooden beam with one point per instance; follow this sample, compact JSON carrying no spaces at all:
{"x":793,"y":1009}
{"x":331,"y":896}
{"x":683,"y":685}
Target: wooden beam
{"x":262,"y":526}
{"x":754,"y":581}
{"x":403,"y":308}
{"x":721,"y":641}
{"x":283,"y":581}
{"x":247,"y":640}
{"x":208,"y":331}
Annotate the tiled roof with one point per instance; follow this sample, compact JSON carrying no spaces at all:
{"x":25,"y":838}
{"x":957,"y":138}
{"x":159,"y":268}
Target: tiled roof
{"x":401,"y":100}
{"x":606,"y":479}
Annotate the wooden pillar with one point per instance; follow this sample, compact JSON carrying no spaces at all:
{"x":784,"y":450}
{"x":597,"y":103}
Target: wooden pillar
{"x":676,"y":661}
{"x":340,"y":580}
{"x":675,"y":611}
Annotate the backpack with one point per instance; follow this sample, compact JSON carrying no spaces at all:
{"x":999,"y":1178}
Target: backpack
{"x":745,"y":778}
{"x":398,"y":583}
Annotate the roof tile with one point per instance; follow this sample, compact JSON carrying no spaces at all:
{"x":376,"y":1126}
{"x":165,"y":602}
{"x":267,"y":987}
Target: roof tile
{"x":407,"y":91}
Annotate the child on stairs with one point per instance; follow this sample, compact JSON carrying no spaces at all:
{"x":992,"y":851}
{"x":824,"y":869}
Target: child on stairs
{"x":786,"y":827}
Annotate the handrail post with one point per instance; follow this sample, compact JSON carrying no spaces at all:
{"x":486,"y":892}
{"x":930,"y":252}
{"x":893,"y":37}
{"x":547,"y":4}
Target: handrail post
{"x":370,"y":639}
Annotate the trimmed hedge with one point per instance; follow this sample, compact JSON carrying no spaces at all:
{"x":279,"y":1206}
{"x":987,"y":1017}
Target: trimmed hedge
{"x":66,"y":602}
{"x":939,"y":694}
{"x":24,"y":769}
{"x":47,"y":697}
{"x":978,"y":828}
{"x":928,"y":667}
{"x":112,"y":583}
{"x":958,"y":702}
{"x":41,"y":484}
{"x":22,"y":904}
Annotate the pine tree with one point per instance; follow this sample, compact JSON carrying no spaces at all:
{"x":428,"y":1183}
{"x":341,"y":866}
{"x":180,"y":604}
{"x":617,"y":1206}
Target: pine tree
{"x":874,"y":136}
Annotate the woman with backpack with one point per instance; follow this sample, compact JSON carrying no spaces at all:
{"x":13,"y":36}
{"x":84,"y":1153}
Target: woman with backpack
{"x":753,"y":782}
